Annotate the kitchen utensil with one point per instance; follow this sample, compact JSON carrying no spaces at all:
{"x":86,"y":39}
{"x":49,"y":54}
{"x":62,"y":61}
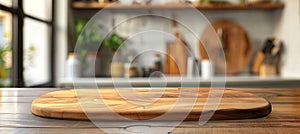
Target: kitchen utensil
{"x":267,"y":70}
{"x":260,"y":56}
{"x":235,"y":42}
{"x":268,"y":59}
{"x":64,"y":104}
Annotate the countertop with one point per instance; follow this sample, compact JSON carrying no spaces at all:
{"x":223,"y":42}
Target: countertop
{"x":228,"y":81}
{"x":16,"y":116}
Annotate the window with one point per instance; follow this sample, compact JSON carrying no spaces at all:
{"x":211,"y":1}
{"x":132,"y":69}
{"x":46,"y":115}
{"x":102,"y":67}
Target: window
{"x":5,"y":48}
{"x":7,"y":3}
{"x":27,"y":34}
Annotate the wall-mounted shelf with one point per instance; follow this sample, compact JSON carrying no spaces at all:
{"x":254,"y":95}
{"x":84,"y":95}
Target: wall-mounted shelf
{"x":262,"y":6}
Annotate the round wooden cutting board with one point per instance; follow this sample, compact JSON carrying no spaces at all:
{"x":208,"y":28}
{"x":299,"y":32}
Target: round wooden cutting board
{"x":177,"y":102}
{"x":236,"y":46}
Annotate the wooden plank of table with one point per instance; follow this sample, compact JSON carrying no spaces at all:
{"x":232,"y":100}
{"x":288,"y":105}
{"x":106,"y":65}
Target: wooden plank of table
{"x":25,"y":92}
{"x":284,"y":100}
{"x":82,"y":124}
{"x":277,"y":118}
{"x":22,"y":108}
{"x":249,"y":130}
{"x":9,"y":130}
{"x":272,"y":92}
{"x":28,"y":120}
{"x":16,"y":99}
{"x":16,"y":117}
{"x":256,"y":130}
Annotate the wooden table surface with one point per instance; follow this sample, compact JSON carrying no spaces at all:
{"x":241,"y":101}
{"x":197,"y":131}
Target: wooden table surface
{"x":16,"y":117}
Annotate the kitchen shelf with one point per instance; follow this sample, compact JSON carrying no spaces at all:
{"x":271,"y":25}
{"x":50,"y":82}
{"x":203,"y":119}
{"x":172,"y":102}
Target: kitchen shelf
{"x":97,"y":5}
{"x":231,"y":81}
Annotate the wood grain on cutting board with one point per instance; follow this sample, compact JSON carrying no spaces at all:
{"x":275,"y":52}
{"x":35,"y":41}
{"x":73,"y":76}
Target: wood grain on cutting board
{"x":176,"y":58}
{"x":177,"y":102}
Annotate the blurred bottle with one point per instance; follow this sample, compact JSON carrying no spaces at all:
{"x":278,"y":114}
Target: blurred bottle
{"x":72,"y":67}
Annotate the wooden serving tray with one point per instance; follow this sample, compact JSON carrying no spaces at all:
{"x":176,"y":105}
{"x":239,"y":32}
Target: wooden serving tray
{"x":171,"y":104}
{"x":236,"y":47}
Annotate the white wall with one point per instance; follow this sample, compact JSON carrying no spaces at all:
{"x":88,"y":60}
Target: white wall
{"x":288,"y":29}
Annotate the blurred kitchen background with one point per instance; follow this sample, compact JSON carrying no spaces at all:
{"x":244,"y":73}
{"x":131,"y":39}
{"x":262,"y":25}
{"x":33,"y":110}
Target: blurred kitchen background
{"x":261,"y":40}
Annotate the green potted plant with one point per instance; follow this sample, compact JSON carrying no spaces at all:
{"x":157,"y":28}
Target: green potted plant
{"x":88,"y":43}
{"x":114,"y":41}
